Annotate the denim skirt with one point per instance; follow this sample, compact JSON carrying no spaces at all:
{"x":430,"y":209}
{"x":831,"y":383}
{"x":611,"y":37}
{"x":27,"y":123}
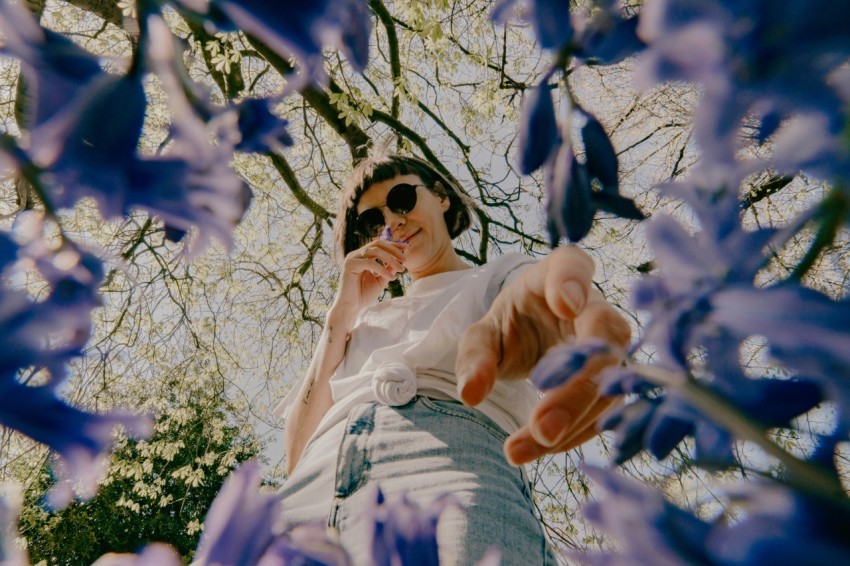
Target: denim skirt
{"x":423,"y":449}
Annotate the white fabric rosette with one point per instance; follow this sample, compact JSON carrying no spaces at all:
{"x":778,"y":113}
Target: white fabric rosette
{"x":394,"y":384}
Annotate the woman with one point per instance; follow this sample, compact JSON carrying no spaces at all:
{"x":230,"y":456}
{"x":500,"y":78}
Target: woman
{"x":382,"y":402}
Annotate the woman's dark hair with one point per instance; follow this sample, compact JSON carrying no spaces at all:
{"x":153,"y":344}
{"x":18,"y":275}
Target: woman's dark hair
{"x":382,"y":168}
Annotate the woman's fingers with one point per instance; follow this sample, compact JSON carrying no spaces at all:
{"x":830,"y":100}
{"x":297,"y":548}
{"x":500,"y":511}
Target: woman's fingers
{"x":521,"y":448}
{"x":377,"y":257}
{"x":566,"y":417}
{"x":478,"y":360}
{"x":567,"y":281}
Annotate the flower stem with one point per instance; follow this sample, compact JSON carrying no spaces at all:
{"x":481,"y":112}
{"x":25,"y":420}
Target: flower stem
{"x":833,"y":211}
{"x":807,"y":475}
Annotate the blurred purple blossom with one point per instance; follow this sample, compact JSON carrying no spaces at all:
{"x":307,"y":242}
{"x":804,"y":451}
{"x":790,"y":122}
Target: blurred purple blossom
{"x":577,"y":190}
{"x":78,"y":437}
{"x":55,"y":69}
{"x":771,"y":58}
{"x":538,"y":130}
{"x":260,"y":130}
{"x":768,"y":523}
{"x":47,"y":334}
{"x":563,"y":362}
{"x":51,"y":331}
{"x":649,"y":530}
{"x":297,"y":30}
{"x":550,"y":18}
{"x":89,"y":147}
{"x":239,"y":526}
{"x":305,"y":545}
{"x":606,"y":36}
{"x":406,"y":533}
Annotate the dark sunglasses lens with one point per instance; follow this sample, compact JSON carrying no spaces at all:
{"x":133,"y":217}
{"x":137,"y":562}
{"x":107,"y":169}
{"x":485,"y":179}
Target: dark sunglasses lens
{"x":402,"y":198}
{"x":370,"y":222}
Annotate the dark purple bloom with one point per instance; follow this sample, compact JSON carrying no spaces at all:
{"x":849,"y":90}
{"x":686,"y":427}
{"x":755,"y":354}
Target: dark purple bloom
{"x":538,"y":131}
{"x":261,"y":131}
{"x":771,"y":525}
{"x":406,"y":533}
{"x":238,"y":528}
{"x":659,"y":420}
{"x":55,"y":69}
{"x":203,"y":192}
{"x":89,"y":146}
{"x":50,"y":332}
{"x":609,"y":38}
{"x":568,"y":208}
{"x":8,"y":251}
{"x":600,"y":157}
{"x":552,"y":23}
{"x":564,"y":361}
{"x":572,"y":197}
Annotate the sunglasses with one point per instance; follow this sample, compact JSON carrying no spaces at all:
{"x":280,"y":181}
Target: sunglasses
{"x":401,"y":199}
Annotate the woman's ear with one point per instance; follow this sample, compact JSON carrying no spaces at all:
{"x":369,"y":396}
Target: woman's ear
{"x":440,"y":190}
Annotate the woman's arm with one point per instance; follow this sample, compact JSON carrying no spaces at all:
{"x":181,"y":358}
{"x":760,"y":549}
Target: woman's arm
{"x":314,"y":396}
{"x":365,"y":273}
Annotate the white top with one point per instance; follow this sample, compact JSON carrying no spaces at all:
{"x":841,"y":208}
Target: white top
{"x":408,"y":345}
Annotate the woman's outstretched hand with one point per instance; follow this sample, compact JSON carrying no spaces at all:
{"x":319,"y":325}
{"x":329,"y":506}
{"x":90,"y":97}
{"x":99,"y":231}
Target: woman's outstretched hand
{"x":551,"y":303}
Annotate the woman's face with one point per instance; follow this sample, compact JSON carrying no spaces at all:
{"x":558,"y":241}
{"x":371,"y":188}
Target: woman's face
{"x":423,"y":227}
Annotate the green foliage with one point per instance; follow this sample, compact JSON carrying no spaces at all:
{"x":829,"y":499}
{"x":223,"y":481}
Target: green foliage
{"x":156,"y":490}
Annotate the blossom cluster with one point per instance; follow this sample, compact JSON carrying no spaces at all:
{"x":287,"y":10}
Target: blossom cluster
{"x":782,"y":66}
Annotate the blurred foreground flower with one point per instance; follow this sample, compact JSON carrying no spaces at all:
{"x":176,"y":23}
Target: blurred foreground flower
{"x":48,"y":334}
{"x":294,"y":29}
{"x":767,"y":523}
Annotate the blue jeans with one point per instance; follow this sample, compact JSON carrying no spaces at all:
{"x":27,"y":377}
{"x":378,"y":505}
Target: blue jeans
{"x":425,"y":449}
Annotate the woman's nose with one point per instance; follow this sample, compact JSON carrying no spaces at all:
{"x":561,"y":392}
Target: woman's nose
{"x":393,"y":219}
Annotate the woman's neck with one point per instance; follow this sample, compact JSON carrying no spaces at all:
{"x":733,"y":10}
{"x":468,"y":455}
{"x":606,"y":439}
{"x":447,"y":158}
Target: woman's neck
{"x":447,"y":260}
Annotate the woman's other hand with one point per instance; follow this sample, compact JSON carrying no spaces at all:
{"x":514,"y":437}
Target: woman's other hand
{"x":366,"y":272}
{"x":551,"y":303}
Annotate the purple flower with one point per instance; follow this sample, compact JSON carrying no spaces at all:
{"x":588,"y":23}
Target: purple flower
{"x":607,"y":37}
{"x":80,"y":438}
{"x":577,"y":190}
{"x":55,"y":69}
{"x":550,"y":18}
{"x":780,"y":526}
{"x":305,"y":545}
{"x":538,"y":131}
{"x":649,"y":530}
{"x":261,"y":131}
{"x":773,"y":58}
{"x":406,"y":533}
{"x":768,"y":523}
{"x":300,"y":29}
{"x":238,"y":528}
{"x":50,"y":332}
{"x":563,"y":362}
{"x":90,"y":146}
{"x":202,"y":192}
